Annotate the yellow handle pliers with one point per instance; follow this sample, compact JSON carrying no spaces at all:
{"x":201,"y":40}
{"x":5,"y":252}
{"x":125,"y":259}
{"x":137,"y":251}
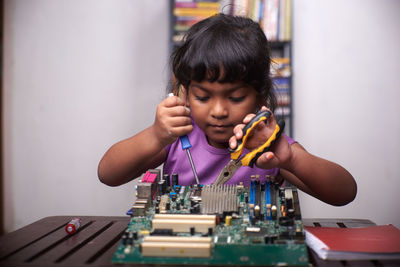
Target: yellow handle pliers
{"x":237,"y":159}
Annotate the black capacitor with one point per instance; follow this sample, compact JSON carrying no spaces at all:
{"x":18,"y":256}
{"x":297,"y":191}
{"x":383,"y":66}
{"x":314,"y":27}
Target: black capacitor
{"x":167,"y":180}
{"x":289,"y":203}
{"x":286,"y":221}
{"x":161,"y":187}
{"x":269,"y":239}
{"x":167,"y":206}
{"x":210,"y":231}
{"x":281,"y":192}
{"x":182,"y":201}
{"x":175,"y":179}
{"x":178,"y":206}
{"x":157,"y":209}
{"x":290,"y":213}
{"x":191,"y":230}
{"x":124,"y":238}
{"x":165,"y":187}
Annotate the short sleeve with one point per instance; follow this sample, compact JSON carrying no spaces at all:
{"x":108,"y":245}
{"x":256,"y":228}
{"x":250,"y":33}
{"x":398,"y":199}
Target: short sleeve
{"x":289,"y":139}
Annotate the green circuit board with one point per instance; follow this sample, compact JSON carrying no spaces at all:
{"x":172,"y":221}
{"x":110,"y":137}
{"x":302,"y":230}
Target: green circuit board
{"x":214,"y":225}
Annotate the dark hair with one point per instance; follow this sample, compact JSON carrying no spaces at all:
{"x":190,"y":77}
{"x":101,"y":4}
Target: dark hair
{"x":225,"y":48}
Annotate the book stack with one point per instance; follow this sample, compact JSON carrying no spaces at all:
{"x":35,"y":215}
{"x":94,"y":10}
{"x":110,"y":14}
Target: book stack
{"x":274,"y":16}
{"x":189,"y":12}
{"x":281,"y":72}
{"x":381,"y":242}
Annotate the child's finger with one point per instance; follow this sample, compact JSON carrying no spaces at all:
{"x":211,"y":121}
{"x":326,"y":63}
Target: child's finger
{"x":181,"y":130}
{"x":248,"y":118}
{"x":267,"y":160}
{"x":238,"y":131}
{"x":178,"y":111}
{"x":173,"y":101}
{"x":233,"y":142}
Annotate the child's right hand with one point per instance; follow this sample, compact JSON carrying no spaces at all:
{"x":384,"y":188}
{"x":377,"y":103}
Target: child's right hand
{"x":172,"y":120}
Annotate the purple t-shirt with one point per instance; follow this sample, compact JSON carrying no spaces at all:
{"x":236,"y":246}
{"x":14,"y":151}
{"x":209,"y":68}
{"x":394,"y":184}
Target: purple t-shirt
{"x":208,"y":162}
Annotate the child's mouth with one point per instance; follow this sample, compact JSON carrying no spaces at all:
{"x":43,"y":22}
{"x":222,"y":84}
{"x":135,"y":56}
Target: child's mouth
{"x":220,"y":127}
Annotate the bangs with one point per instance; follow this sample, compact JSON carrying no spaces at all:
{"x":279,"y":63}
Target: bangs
{"x":221,"y":55}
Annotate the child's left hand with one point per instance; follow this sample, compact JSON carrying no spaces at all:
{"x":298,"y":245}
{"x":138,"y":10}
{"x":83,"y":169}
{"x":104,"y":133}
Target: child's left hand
{"x":280,"y":153}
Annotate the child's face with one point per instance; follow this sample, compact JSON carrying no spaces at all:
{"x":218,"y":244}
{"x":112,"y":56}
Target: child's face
{"x":218,"y":107}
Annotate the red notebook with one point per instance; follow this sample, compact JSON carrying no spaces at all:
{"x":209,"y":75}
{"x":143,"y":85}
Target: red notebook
{"x":366,"y":243}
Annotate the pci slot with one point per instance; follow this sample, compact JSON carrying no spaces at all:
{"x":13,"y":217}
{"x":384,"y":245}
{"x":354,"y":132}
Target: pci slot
{"x":184,"y":223}
{"x":176,"y":246}
{"x":185,"y":216}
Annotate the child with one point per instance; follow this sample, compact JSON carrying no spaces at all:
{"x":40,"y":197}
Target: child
{"x":223,"y":70}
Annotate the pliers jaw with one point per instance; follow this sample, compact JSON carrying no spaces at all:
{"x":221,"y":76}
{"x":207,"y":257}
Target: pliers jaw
{"x":228,"y":171}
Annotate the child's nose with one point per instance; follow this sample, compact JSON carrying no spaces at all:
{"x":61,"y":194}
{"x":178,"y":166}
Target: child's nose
{"x":218,"y":109}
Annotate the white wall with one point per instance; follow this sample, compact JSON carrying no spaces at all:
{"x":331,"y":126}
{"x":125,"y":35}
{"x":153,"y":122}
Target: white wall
{"x":346,"y":99}
{"x":80,"y":75}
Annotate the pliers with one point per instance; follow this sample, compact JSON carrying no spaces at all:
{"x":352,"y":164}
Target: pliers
{"x":237,"y":159}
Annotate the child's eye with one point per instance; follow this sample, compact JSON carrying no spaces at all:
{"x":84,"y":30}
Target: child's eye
{"x":237,"y":99}
{"x":202,"y":98}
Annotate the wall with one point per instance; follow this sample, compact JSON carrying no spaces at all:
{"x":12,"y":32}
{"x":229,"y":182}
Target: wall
{"x":80,"y":75}
{"x":347,"y":87}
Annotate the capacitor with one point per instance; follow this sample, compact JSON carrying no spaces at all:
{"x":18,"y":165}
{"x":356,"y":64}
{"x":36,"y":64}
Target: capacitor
{"x":228,"y":220}
{"x":210,"y":231}
{"x":167,"y":180}
{"x":175,"y":179}
{"x":73,"y":226}
{"x":257,"y":211}
{"x":161,"y":187}
{"x":251,"y":208}
{"x":274,"y":212}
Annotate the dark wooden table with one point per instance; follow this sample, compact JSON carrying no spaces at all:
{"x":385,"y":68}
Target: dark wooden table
{"x":45,"y":243}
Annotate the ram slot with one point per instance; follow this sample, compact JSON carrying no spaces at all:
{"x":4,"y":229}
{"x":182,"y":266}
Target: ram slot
{"x":268,"y":214}
{"x":273,"y":194}
{"x":252,"y":191}
{"x":257,"y":194}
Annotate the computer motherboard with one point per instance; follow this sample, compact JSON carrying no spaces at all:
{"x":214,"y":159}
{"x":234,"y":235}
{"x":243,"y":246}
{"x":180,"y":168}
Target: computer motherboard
{"x":213,"y":225}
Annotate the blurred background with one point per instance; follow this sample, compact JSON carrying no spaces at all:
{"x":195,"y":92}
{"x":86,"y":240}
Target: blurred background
{"x":78,"y":76}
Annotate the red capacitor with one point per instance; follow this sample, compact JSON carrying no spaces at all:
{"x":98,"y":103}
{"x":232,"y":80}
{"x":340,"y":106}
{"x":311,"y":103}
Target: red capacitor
{"x":73,"y":226}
